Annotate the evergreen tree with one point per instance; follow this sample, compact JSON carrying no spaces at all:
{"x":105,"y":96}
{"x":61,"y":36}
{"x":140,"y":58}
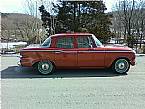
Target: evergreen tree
{"x":82,"y":16}
{"x":79,"y":16}
{"x":45,"y":17}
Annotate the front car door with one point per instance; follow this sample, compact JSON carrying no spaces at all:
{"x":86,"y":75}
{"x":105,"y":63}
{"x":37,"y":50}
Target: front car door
{"x":66,"y":54}
{"x":89,"y":55}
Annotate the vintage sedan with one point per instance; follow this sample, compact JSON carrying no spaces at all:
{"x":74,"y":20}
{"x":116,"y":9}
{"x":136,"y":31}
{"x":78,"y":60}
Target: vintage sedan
{"x":75,"y":51}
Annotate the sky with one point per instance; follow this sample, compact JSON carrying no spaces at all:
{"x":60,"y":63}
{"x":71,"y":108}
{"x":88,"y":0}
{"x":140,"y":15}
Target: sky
{"x":17,"y":6}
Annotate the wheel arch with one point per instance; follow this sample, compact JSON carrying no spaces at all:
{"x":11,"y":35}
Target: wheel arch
{"x":36,"y":62}
{"x":119,"y":58}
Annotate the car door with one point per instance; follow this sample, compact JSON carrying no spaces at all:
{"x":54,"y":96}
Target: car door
{"x":88,"y":54}
{"x":66,"y":54}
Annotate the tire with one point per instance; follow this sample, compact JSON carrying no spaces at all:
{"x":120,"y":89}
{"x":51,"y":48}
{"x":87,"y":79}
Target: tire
{"x":45,"y":67}
{"x":121,"y":66}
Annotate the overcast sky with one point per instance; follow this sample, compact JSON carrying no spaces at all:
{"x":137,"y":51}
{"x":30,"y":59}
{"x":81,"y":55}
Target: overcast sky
{"x":17,"y":6}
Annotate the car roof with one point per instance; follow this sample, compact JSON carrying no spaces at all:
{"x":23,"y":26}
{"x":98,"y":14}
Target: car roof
{"x":67,"y":34}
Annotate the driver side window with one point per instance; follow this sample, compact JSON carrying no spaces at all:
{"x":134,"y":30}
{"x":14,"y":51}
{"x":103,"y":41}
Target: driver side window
{"x":84,"y":42}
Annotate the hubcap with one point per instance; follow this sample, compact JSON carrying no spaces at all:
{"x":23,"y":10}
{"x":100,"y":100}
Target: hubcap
{"x":121,"y":66}
{"x":45,"y":66}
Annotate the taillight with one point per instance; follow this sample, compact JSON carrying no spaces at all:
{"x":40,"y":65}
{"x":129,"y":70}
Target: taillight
{"x":23,"y":55}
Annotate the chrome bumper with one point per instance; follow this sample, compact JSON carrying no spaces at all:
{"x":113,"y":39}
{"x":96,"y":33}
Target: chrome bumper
{"x":19,"y":63}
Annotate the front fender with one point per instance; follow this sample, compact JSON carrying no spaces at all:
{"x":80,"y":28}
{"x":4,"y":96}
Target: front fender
{"x":111,"y":58}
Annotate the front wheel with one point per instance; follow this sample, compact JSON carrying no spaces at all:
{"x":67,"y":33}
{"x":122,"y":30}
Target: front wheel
{"x":45,"y":67}
{"x":121,"y":66}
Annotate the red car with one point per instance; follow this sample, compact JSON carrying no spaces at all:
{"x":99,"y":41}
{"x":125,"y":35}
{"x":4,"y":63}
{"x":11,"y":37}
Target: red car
{"x":74,"y":51}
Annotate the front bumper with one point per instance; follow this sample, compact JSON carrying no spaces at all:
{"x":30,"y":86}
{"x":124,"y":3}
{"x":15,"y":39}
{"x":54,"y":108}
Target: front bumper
{"x":133,"y":63}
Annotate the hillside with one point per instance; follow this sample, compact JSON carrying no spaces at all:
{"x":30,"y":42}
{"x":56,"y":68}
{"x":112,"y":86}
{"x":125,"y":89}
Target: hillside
{"x":11,"y":19}
{"x":17,"y":26}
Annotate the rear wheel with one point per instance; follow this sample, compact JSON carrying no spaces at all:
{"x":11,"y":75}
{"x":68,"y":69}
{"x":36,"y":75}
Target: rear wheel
{"x":45,"y":67}
{"x":121,"y":66}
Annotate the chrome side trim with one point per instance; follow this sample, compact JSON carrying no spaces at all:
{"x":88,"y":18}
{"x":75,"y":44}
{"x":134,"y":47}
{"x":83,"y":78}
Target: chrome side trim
{"x":104,"y":51}
{"x":97,"y":51}
{"x":118,"y":51}
{"x":69,"y":51}
{"x":43,"y":50}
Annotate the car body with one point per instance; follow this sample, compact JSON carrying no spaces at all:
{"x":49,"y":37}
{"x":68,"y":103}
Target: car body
{"x":74,"y":51}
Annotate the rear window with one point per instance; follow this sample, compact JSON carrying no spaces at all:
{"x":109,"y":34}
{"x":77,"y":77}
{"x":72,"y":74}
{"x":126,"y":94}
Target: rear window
{"x":47,"y":42}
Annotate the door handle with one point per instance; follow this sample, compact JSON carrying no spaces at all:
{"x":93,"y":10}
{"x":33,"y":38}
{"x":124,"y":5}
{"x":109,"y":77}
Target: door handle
{"x":57,"y":52}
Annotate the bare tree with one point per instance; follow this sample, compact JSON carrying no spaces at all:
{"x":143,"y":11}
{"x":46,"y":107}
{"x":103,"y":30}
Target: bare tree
{"x":139,"y":20}
{"x":129,"y":15}
{"x":29,"y":27}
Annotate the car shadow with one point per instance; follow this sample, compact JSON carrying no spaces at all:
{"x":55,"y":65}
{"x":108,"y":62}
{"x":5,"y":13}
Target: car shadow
{"x":26,"y":72}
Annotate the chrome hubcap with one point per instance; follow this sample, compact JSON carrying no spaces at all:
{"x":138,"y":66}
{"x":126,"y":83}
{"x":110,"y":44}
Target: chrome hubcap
{"x":121,"y":65}
{"x":45,"y":66}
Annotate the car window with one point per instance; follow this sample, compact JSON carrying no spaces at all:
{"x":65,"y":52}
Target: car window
{"x":97,"y":42}
{"x":84,"y":42}
{"x":46,"y":43}
{"x":65,"y":42}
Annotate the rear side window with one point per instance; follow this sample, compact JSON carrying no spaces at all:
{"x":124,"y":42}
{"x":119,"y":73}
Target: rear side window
{"x":65,"y":42}
{"x":47,"y":42}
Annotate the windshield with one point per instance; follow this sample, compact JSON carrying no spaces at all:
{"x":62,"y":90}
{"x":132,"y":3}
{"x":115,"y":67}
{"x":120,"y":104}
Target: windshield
{"x":46,"y":43}
{"x":97,"y":42}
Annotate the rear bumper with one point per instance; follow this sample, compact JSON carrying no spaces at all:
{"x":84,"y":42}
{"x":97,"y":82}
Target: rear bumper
{"x":24,"y":62}
{"x":19,"y":63}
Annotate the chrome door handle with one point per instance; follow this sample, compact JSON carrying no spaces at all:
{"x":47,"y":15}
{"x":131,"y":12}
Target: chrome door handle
{"x":57,"y":52}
